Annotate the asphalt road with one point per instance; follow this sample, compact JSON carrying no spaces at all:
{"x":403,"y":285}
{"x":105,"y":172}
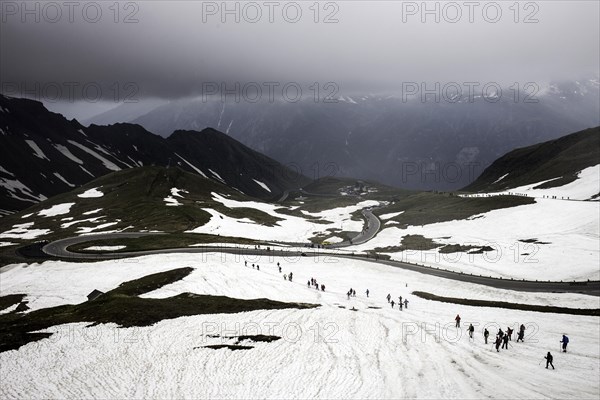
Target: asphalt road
{"x":59,"y":249}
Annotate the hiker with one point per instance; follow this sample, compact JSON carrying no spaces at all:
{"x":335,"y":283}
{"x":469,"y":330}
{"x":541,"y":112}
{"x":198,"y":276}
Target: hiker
{"x":405,"y":303}
{"x":348,"y":294}
{"x":308,"y":284}
{"x":322,"y":287}
{"x":486,"y":333}
{"x":257,"y":267}
{"x":510,"y":332}
{"x":498,"y":342}
{"x":245,"y":263}
{"x":549,"y":359}
{"x":285,"y":277}
{"x":353,"y":293}
{"x":290,"y":276}
{"x":471,"y":330}
{"x":392,"y":303}
{"x":367,"y":292}
{"x":457,"y":319}
{"x":500,"y":333}
{"x":521,"y":335}
{"x":505,"y":341}
{"x":565,"y":342}
{"x":388,"y":297}
{"x":400,"y":305}
{"x":279,"y":268}
{"x":399,"y":299}
{"x":252,"y":266}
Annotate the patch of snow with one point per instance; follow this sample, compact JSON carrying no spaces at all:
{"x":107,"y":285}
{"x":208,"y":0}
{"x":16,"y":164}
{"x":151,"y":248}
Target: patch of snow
{"x":105,"y":248}
{"x":5,"y":171}
{"x":58,"y":209}
{"x":26,"y":215}
{"x":89,"y":229}
{"x":23,"y":231}
{"x":4,"y":244}
{"x":87,"y":172}
{"x":67,"y":153}
{"x":171,"y":201}
{"x":263,"y":185}
{"x":499,"y":179}
{"x":59,"y":176}
{"x":192,"y":166}
{"x":36,"y":149}
{"x":92,"y":211}
{"x":71,"y":223}
{"x":91,"y":193}
{"x":216,"y":175}
{"x":390,"y":215}
{"x":14,"y":185}
{"x":107,"y":164}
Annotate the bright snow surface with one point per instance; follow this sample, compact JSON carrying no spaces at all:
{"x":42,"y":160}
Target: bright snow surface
{"x":289,"y":228}
{"x":569,"y":232}
{"x":328,"y":352}
{"x":91,"y":193}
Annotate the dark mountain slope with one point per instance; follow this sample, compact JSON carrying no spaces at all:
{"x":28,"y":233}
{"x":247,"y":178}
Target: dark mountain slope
{"x":561,"y":158}
{"x":42,"y":154}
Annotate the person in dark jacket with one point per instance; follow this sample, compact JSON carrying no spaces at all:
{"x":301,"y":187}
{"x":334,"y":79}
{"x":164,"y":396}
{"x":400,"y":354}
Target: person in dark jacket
{"x":486,"y":333}
{"x":549,"y":359}
{"x":564,"y":341}
{"x":505,"y":341}
{"x":471,"y":330}
{"x":510,"y":332}
{"x":498,"y":342}
{"x":521,"y":333}
{"x":457,"y":319}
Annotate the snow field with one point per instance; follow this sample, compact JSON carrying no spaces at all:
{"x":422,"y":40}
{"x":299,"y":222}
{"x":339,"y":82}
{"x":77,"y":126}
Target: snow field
{"x":328,"y":352}
{"x":569,"y":229}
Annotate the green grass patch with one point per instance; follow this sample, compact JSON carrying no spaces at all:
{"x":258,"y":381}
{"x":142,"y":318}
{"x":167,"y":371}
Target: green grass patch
{"x":10,"y":300}
{"x":513,"y":306}
{"x":123,"y":307}
{"x":428,"y":207}
{"x":158,"y":242}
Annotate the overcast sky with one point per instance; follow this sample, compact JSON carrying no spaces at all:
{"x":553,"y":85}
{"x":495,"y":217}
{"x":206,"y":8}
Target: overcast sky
{"x":178,"y":48}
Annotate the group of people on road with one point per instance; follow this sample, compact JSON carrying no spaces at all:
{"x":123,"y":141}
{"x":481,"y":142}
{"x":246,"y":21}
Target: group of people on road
{"x":504,"y":337}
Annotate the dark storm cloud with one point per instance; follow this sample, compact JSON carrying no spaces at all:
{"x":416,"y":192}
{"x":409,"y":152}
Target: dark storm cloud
{"x":178,"y":49}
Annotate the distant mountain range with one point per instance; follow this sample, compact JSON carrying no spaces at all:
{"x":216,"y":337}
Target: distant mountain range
{"x":427,"y":145}
{"x":43,"y":154}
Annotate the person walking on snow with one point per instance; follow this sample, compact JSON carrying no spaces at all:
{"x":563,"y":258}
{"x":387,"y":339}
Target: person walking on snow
{"x":389,"y":297}
{"x":322,"y":288}
{"x":510,"y":332}
{"x":505,"y":341}
{"x":486,"y":333}
{"x":308,"y":284}
{"x":549,"y":359}
{"x":498,"y":342}
{"x":457,"y":319}
{"x":521,"y":333}
{"x":392,"y":303}
{"x":471,"y":330}
{"x":565,"y":342}
{"x":405,"y":303}
{"x":367,"y":292}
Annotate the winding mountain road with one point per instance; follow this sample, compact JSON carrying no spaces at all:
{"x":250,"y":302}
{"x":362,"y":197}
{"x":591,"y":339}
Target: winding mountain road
{"x":60,"y":249}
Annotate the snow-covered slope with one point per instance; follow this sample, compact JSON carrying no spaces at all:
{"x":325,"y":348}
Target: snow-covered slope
{"x":327,"y":352}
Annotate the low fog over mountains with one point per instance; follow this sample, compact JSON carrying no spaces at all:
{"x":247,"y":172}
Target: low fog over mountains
{"x":400,"y":140}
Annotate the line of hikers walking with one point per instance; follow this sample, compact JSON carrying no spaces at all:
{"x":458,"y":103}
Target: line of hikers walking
{"x":503,"y":338}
